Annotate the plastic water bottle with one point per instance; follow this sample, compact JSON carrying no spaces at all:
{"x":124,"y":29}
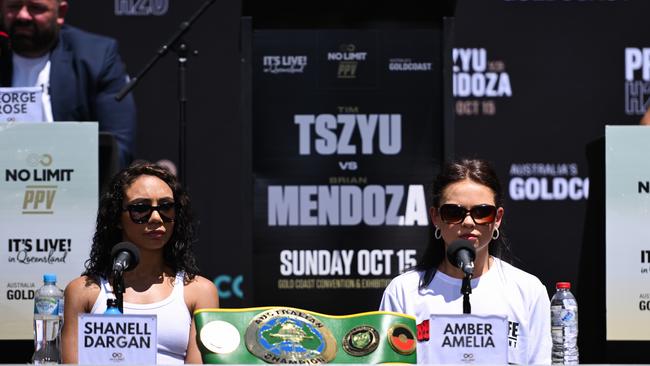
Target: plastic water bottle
{"x":111,"y":307}
{"x":48,"y":305}
{"x":564,"y":325}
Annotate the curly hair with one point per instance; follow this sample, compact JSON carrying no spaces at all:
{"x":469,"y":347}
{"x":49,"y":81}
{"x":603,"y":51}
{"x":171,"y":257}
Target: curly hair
{"x":476,"y":170}
{"x":177,"y":253}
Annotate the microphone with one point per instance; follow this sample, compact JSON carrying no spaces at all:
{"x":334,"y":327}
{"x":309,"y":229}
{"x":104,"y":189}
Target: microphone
{"x":461,"y":253}
{"x":125,"y":257}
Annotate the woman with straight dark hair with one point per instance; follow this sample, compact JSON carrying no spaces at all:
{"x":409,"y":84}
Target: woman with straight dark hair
{"x":144,"y":205}
{"x":468,"y":206}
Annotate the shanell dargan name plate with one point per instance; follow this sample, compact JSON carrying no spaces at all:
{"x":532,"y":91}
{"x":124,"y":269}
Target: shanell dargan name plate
{"x":290,"y":335}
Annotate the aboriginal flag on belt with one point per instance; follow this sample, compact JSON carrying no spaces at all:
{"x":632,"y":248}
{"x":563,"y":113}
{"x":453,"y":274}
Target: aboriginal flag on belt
{"x":402,"y":339}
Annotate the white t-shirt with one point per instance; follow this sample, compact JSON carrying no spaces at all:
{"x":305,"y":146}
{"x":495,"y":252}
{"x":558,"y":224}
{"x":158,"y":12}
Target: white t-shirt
{"x":502,"y":290}
{"x":34,"y":72}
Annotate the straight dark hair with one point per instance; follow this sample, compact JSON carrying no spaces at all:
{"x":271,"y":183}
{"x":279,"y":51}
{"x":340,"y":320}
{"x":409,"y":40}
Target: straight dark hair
{"x":478,"y":171}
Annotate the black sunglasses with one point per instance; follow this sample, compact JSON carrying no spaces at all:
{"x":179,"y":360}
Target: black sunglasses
{"x":140,"y":213}
{"x":455,"y":214}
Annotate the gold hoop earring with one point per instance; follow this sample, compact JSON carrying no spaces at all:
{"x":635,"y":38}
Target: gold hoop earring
{"x":495,"y":233}
{"x":438,"y":233}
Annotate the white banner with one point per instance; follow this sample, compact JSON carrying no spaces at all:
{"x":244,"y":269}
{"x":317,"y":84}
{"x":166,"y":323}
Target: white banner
{"x":21,"y":104}
{"x":48,"y":207}
{"x":627,"y":232}
{"x":117,"y":339}
{"x":466,"y":339}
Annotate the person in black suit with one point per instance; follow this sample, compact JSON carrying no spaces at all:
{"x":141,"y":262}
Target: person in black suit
{"x":81,"y":72}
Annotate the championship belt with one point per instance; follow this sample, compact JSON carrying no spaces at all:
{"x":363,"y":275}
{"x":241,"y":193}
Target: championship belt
{"x":290,"y":335}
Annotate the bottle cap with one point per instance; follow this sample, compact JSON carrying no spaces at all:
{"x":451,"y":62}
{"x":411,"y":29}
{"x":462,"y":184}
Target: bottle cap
{"x":563,"y":285}
{"x":49,"y":277}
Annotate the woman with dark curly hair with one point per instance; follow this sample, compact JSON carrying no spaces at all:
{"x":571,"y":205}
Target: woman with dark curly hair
{"x":145,"y":205}
{"x":468,"y":206}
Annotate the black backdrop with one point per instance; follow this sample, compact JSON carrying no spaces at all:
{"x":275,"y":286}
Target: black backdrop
{"x":565,"y":66}
{"x":215,"y":146}
{"x":565,"y":63}
{"x":217,"y":172}
{"x":384,"y":82}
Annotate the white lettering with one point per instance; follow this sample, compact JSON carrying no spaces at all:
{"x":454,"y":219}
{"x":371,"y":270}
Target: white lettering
{"x":487,"y":84}
{"x":375,"y":262}
{"x":559,"y":188}
{"x":637,"y":59}
{"x":316,"y":262}
{"x":346,"y":205}
{"x":328,"y":139}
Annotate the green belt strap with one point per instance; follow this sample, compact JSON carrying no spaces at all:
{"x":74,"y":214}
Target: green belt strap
{"x":290,"y":335}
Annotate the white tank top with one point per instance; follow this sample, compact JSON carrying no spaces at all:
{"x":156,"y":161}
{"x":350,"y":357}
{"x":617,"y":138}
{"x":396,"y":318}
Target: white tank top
{"x":174,"y":319}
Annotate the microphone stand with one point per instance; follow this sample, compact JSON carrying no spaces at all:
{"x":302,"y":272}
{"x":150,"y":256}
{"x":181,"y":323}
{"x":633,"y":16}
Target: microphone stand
{"x":466,"y":289}
{"x":176,"y":44}
{"x":118,"y":289}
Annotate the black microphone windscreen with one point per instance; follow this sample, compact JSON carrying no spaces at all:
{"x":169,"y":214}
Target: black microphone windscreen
{"x":457,"y":245}
{"x":126,"y":246}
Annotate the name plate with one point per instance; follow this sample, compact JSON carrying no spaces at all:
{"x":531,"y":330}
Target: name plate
{"x":117,"y":339}
{"x":24,"y":104}
{"x":466,"y":338}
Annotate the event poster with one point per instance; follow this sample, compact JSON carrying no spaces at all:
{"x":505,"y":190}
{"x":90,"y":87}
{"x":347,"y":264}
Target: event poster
{"x":534,"y":100}
{"x":628,"y":249}
{"x":48,"y":205}
{"x":347,"y":137}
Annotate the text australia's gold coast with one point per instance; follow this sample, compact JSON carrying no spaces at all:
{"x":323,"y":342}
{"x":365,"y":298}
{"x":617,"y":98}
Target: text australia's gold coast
{"x":284,"y":335}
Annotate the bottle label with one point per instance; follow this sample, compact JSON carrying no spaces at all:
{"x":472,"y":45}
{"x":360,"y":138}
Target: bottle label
{"x":570,"y":303}
{"x":567,"y":315}
{"x":564,"y":315}
{"x":46,"y":306}
{"x":61,"y":307}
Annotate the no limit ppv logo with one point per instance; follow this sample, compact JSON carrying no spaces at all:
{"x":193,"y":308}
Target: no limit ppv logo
{"x":39,"y":197}
{"x":348,"y":58}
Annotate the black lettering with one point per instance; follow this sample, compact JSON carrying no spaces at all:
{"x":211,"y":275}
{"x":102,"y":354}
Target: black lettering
{"x":99,"y":342}
{"x":96,"y":328}
{"x":110,"y":340}
{"x":122,"y":342}
{"x":145,"y":342}
{"x":489,"y":342}
{"x":88,"y":341}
